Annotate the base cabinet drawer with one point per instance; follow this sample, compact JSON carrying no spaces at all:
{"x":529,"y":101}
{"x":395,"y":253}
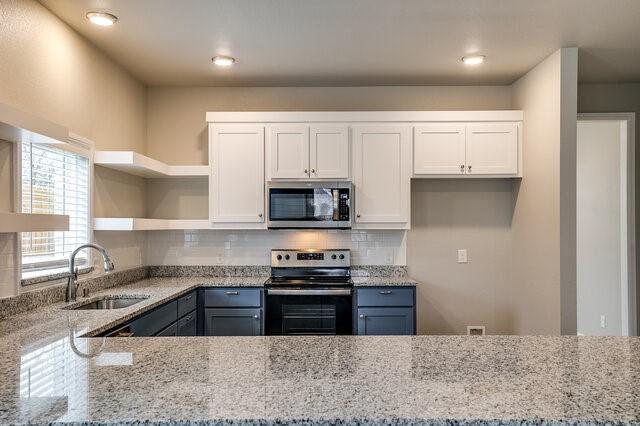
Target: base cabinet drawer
{"x":385,"y":321}
{"x":155,"y":321}
{"x":232,"y":322}
{"x":385,"y":296}
{"x":187,"y":303}
{"x":187,"y":324}
{"x":232,"y":297}
{"x":170,"y":331}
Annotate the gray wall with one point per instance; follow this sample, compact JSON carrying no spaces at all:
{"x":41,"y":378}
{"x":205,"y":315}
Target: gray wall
{"x":453,"y":214}
{"x":542,"y":286}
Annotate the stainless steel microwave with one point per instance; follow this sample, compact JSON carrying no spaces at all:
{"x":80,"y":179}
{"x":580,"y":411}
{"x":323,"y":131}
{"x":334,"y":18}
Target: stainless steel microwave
{"x":309,"y":205}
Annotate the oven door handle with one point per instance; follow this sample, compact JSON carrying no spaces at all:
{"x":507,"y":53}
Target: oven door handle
{"x":309,"y":292}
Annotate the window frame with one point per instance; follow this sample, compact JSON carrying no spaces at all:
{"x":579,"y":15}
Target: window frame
{"x":74,"y":144}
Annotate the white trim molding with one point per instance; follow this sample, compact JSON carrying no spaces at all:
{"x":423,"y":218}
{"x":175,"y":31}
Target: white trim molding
{"x":363,"y":116}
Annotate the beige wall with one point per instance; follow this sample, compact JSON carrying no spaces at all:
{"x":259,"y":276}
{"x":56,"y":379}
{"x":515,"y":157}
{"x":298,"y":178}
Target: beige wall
{"x":616,"y":98}
{"x":176,"y":126}
{"x":50,"y":71}
{"x":535,"y":291}
{"x":448,"y":215}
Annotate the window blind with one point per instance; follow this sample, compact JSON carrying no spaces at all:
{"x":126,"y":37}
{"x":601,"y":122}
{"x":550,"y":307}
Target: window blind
{"x":54,"y":181}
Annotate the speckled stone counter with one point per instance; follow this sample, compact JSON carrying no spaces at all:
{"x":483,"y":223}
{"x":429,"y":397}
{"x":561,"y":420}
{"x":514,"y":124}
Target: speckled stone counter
{"x":49,"y":375}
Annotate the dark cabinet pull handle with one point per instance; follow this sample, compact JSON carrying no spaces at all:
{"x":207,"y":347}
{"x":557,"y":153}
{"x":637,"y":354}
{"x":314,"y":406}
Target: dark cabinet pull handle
{"x":385,"y":292}
{"x":188,"y":297}
{"x":189,"y":318}
{"x":124,"y":334}
{"x":232,"y":293}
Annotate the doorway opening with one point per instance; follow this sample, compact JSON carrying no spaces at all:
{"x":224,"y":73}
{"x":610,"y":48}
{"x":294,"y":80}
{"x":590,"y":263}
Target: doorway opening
{"x":605,"y":221}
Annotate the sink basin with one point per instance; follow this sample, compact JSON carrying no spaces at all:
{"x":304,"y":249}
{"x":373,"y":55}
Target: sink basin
{"x":110,"y":302}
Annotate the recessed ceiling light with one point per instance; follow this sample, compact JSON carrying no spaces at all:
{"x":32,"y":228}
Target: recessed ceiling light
{"x":473,"y":59}
{"x":223,"y":61}
{"x":103,"y":19}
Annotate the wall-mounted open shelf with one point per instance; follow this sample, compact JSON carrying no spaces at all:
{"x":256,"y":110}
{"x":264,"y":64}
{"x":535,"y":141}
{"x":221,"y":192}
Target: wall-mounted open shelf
{"x":140,"y":224}
{"x":140,"y":165}
{"x":26,"y":222}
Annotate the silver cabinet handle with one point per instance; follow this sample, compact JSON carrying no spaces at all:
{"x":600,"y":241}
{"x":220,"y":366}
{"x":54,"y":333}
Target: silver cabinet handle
{"x":461,"y":168}
{"x":306,"y":172}
{"x":358,"y":215}
{"x":313,"y":170}
{"x":385,"y":292}
{"x":309,"y":292}
{"x":188,"y":297}
{"x":232,"y":293}
{"x":469,"y":169}
{"x":189,"y":318}
{"x":256,"y":316}
{"x":361,"y":316}
{"x":260,"y":215}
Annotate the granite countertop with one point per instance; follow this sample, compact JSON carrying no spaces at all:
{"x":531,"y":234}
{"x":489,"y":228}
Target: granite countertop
{"x":49,"y":375}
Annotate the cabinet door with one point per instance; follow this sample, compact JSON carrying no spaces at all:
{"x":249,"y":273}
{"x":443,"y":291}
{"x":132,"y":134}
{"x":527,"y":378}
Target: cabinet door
{"x":381,"y":173}
{"x":329,"y":152}
{"x":289,"y":152}
{"x":232,"y":322}
{"x":236,"y":186}
{"x":385,"y":321}
{"x":439,"y":149}
{"x":492,"y":149}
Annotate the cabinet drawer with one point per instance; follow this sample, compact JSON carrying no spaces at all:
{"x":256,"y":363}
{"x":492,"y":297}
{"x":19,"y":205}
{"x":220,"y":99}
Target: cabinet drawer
{"x":385,"y":296}
{"x":156,"y":320}
{"x":170,"y":331}
{"x":187,"y":324}
{"x":232,"y":297}
{"x":186,"y":304}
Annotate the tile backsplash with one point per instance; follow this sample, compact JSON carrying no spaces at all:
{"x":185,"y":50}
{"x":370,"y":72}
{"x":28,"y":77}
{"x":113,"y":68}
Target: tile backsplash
{"x":206,"y":247}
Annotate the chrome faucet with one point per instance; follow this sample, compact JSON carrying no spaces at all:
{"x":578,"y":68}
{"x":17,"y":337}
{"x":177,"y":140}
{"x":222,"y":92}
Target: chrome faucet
{"x":72,"y":283}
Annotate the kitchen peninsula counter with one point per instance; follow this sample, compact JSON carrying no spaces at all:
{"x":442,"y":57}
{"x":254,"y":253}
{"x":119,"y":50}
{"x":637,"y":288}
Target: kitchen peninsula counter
{"x":49,"y":375}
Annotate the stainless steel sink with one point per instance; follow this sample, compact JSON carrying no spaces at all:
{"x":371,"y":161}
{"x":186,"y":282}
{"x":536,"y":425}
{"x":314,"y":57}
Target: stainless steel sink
{"x":110,"y":302}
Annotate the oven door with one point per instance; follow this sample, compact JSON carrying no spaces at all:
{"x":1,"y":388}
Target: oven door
{"x":302,"y":311}
{"x":309,"y":205}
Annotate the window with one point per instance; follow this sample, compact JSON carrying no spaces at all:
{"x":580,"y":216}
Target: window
{"x":54,"y":181}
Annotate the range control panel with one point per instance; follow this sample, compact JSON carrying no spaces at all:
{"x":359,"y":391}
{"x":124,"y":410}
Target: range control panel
{"x":306,"y":258}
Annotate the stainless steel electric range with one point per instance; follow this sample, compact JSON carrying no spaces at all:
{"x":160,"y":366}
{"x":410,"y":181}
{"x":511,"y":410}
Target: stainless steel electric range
{"x":309,"y":293}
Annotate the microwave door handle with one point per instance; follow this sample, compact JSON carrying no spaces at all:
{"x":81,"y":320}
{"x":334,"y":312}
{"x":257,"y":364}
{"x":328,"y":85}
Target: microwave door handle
{"x":336,"y":204}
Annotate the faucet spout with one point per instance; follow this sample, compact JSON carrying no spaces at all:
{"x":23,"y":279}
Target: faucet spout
{"x":72,"y":283}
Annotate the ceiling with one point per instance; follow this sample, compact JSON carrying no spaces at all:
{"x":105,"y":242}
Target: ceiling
{"x":359,"y":42}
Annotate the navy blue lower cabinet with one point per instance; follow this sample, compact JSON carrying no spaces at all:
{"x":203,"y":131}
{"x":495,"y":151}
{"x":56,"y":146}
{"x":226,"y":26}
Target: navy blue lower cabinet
{"x":156,"y":321}
{"x":170,"y":331}
{"x":232,"y":321}
{"x":385,"y":311}
{"x":385,"y":321}
{"x":187,"y":324}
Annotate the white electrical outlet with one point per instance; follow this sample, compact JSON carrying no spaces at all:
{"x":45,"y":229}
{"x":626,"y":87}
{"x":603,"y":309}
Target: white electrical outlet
{"x":603,"y":321}
{"x":388,"y":257}
{"x":462,"y":256}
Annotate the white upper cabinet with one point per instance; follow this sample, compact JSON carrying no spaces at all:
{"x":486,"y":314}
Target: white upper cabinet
{"x":289,"y":151}
{"x":381,"y":174}
{"x":439,"y":149}
{"x":467,"y":150}
{"x":236,"y":185}
{"x":492,"y":149}
{"x":308,"y":152}
{"x":329,"y":152}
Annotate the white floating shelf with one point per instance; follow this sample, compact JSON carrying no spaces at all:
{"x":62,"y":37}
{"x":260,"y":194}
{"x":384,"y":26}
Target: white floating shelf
{"x":139,"y":224}
{"x":140,"y":165}
{"x":26,"y":222}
